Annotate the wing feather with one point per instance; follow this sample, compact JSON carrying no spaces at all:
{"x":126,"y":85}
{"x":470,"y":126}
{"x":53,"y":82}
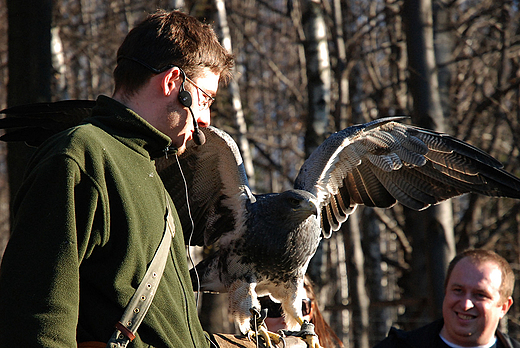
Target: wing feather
{"x":406,"y":189}
{"x":35,"y":123}
{"x":217,"y":187}
{"x":383,"y":161}
{"x":375,"y":193}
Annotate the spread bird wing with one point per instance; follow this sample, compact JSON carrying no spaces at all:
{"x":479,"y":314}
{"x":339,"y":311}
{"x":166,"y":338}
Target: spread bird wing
{"x":34,"y":123}
{"x":216,"y":184}
{"x":383,"y":162}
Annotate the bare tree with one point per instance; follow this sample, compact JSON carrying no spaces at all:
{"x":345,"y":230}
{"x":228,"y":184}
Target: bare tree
{"x":235,"y":95}
{"x":431,"y":230}
{"x":29,"y":59}
{"x":360,"y":299}
{"x":318,"y":74}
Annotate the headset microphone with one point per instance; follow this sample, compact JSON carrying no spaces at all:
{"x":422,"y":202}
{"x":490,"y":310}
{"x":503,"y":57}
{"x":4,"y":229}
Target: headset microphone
{"x":198,"y":137}
{"x":185,"y":99}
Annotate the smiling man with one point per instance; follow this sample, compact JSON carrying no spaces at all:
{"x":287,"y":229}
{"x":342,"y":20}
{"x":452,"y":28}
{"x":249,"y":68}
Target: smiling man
{"x":478,"y":293}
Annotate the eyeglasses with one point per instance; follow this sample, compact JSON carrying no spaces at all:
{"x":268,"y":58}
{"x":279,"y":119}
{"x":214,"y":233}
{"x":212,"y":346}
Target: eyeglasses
{"x":205,"y":103}
{"x":274,"y":310}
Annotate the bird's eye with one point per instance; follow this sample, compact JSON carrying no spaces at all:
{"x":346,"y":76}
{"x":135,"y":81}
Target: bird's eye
{"x":294,"y":202}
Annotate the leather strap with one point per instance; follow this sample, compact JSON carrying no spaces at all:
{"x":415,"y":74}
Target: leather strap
{"x":143,"y":296}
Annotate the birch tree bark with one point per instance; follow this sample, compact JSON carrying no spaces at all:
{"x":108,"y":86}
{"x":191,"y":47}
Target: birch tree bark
{"x":360,"y":299}
{"x":318,"y":74}
{"x":235,"y":95}
{"x":318,"y":89}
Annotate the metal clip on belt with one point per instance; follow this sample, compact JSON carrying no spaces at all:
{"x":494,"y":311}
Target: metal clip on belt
{"x":143,"y":296}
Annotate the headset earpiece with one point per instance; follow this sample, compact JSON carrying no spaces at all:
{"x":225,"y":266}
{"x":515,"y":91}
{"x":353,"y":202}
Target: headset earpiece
{"x":184,"y":97}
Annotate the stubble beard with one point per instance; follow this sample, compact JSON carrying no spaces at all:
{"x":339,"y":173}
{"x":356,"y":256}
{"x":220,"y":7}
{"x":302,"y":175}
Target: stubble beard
{"x":173,"y":111}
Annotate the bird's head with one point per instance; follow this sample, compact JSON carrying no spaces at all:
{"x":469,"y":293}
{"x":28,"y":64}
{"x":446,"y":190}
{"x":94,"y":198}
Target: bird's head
{"x":301,"y":204}
{"x":288,"y":209}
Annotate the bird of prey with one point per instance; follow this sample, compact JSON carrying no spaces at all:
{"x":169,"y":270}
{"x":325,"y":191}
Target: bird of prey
{"x":265,"y":242}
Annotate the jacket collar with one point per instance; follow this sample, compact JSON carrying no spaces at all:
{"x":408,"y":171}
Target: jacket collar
{"x":130,"y":128}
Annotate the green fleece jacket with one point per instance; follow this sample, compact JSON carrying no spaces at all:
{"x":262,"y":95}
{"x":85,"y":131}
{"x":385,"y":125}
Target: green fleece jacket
{"x":88,"y":220}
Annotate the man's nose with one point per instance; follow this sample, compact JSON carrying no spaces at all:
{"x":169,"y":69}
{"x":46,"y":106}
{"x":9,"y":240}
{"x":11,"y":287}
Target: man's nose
{"x":203,"y":119}
{"x":467,"y":304}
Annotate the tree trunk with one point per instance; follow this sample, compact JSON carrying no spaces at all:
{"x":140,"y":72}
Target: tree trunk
{"x":340,"y":72}
{"x":29,"y":62}
{"x":318,"y":74}
{"x":318,"y":79}
{"x":360,"y":300}
{"x":444,"y":46}
{"x":235,"y":95}
{"x":432,"y":229}
{"x":177,"y":4}
{"x":371,"y":243}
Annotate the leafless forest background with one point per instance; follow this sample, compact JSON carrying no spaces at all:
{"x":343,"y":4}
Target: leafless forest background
{"x":306,"y":69}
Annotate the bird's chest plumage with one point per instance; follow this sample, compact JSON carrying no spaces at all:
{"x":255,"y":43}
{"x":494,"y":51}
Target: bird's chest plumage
{"x":277,"y":252}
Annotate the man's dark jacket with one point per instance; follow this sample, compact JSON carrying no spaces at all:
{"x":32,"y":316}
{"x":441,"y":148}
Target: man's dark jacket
{"x":428,"y":337}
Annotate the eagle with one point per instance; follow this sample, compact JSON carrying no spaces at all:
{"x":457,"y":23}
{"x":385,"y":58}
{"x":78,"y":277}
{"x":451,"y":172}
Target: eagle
{"x":264,"y":242}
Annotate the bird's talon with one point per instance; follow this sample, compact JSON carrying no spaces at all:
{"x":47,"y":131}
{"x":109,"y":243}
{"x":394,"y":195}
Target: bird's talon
{"x":312,"y":341}
{"x":306,"y":333}
{"x":250,"y":335}
{"x":267,"y":336}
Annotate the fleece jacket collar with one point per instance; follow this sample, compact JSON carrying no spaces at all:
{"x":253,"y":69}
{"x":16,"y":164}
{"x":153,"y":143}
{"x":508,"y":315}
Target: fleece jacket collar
{"x":130,"y":128}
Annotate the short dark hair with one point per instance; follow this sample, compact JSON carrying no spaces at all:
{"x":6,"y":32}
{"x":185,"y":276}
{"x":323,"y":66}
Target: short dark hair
{"x":169,"y":38}
{"x":479,"y":256}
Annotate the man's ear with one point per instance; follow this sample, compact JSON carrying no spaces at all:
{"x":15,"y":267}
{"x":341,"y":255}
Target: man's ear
{"x":506,"y":305}
{"x":170,"y":79}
